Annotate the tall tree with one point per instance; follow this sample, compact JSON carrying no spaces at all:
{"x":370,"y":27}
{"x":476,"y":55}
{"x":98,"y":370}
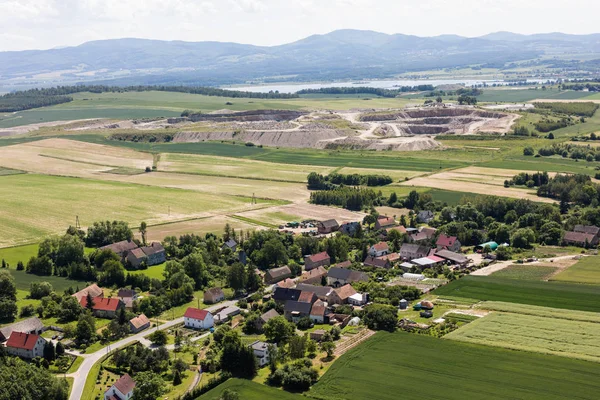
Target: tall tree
{"x":143,"y":230}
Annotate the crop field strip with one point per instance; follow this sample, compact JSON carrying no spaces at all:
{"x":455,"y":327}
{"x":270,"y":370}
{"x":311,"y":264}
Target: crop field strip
{"x":549,"y":335}
{"x":531,"y":272}
{"x":560,"y":295}
{"x":248,"y":390}
{"x":587,"y":270}
{"x":548,"y":312}
{"x":389,"y":364}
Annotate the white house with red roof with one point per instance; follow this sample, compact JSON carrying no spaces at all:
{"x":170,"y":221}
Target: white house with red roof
{"x":26,"y":345}
{"x":379,"y":249}
{"x":447,"y":243}
{"x":122,"y":389}
{"x":198,"y":319}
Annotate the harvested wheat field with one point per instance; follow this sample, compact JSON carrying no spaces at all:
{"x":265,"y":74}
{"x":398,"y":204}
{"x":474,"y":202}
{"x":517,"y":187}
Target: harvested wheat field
{"x":488,"y":181}
{"x":297,"y":212}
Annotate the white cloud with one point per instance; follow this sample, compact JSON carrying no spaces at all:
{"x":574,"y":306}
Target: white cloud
{"x":251,"y":6}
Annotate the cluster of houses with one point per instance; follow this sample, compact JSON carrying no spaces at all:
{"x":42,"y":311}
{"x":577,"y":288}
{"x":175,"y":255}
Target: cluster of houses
{"x":583,"y":236}
{"x":132,"y":254}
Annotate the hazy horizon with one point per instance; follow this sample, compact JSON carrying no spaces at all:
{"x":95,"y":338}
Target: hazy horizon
{"x":47,"y":24}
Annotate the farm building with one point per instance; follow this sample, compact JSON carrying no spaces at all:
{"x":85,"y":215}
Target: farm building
{"x":316,"y":261}
{"x":295,"y":310}
{"x":198,"y":319}
{"x":286,"y":283}
{"x":226,"y":314}
{"x":263,"y":319}
{"x":379,"y":249}
{"x":320,"y":291}
{"x":277,"y":274}
{"x":580,"y":239}
{"x":424,"y":262}
{"x":447,"y":243}
{"x":407,"y":266}
{"x":492,"y":245}
{"x":122,"y":389}
{"x":377,"y":262}
{"x":455,"y":258}
{"x":589,"y":229}
{"x":103,"y":307}
{"x":261,"y":352}
{"x":213,"y":295}
{"x":384,"y":222}
{"x":307,"y":297}
{"x":281,"y":295}
{"x":329,"y":226}
{"x":26,"y":345}
{"x":30,"y":325}
{"x":338,"y":277}
{"x":340,"y":295}
{"x":317,"y":312}
{"x":410,"y":251}
{"x":313,"y":276}
{"x":349,"y":228}
{"x":344,"y":264}
{"x":151,"y":255}
{"x":93,"y":290}
{"x":139,"y":323}
{"x":358,"y":299}
{"x":121,"y":248}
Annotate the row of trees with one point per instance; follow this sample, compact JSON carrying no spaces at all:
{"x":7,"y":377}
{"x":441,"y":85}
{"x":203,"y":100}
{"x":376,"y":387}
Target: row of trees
{"x":317,"y":181}
{"x":367,"y":90}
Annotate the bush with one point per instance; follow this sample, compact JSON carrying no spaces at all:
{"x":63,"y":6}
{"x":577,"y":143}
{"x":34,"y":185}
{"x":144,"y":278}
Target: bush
{"x":304,"y":323}
{"x":528,"y":151}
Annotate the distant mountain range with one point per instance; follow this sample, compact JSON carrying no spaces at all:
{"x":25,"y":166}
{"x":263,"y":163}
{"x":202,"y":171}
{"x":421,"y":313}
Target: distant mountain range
{"x":342,"y":54}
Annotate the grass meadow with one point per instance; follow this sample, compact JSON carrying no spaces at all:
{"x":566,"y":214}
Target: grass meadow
{"x":529,"y":272}
{"x":587,"y":270}
{"x":249,"y":390}
{"x":545,"y":294}
{"x":393,"y":363}
{"x":549,"y":335}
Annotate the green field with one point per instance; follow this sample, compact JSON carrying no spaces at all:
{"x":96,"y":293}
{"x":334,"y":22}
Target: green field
{"x":531,"y":272}
{"x":388,"y":366}
{"x":23,"y":281}
{"x":549,"y":335}
{"x":12,"y":255}
{"x":248,"y":390}
{"x":549,"y":312}
{"x":546,"y":294}
{"x":587,"y":270}
{"x":35,"y":206}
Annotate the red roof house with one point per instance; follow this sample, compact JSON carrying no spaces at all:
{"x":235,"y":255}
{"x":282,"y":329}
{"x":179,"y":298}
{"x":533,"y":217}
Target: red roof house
{"x":105,"y":307}
{"x":316,"y":261}
{"x":26,"y":345}
{"x":448,"y":243}
{"x":198,"y":319}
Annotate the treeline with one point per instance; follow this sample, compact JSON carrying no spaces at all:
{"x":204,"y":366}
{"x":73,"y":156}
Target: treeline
{"x":145,"y":137}
{"x":469,"y":92}
{"x":34,"y":98}
{"x":526,"y":179}
{"x":548,"y":125}
{"x":367,"y":90}
{"x":580,"y":109}
{"x":350,"y":198}
{"x":567,"y":150}
{"x":317,"y":181}
{"x":592,"y":87}
{"x":578,"y":189}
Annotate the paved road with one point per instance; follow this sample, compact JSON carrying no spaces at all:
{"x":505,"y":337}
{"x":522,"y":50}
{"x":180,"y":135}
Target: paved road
{"x":89,"y":360}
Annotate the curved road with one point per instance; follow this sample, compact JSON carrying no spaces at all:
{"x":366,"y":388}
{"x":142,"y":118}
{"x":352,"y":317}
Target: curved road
{"x":80,"y":376}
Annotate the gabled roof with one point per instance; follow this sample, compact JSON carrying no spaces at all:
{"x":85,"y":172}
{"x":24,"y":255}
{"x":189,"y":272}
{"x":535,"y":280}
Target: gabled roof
{"x":306,"y":297}
{"x":347,"y":274}
{"x":279,"y":272}
{"x":20,"y":340}
{"x":94,"y":290}
{"x":381,"y":246}
{"x":102,"y":303}
{"x":320,"y":291}
{"x":153,"y":249}
{"x":284,"y":294}
{"x":120,"y":247}
{"x":318,"y":257}
{"x":452,"y":256}
{"x":435,"y":259}
{"x":414,"y":248}
{"x":259,"y":346}
{"x":230,"y":243}
{"x":126,"y":293}
{"x":591,"y":229}
{"x":344,"y":264}
{"x":579,"y":237}
{"x":139,"y":321}
{"x":269,"y":314}
{"x":390,"y":257}
{"x":125,"y":384}
{"x":446,"y":241}
{"x":384,"y":221}
{"x":378,"y":262}
{"x":330,"y":223}
{"x":29,"y":325}
{"x":286,"y":283}
{"x":345,"y":291}
{"x":215,"y":292}
{"x":400,"y":229}
{"x":318,"y":308}
{"x":297,"y":306}
{"x":314,"y":273}
{"x":195,"y":313}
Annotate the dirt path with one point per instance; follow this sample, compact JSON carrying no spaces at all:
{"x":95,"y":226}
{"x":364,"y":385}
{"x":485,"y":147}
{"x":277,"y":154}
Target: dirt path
{"x":353,"y":341}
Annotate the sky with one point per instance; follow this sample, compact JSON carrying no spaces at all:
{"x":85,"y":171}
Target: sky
{"x":44,"y":24}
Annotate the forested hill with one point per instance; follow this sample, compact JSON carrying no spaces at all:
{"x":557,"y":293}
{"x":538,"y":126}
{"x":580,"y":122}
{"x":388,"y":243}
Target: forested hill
{"x":347,"y":54}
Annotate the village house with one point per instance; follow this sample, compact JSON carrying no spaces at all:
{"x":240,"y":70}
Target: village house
{"x":286,"y":283}
{"x":448,"y":243}
{"x":340,"y":295}
{"x":410,"y":251}
{"x":425,"y":216}
{"x":349,"y":228}
{"x":139,"y":323}
{"x":320,"y":291}
{"x":275,"y":275}
{"x":317,"y":312}
{"x":25,"y":345}
{"x":103,"y":307}
{"x":307,"y":297}
{"x":377,"y":262}
{"x":344,"y":264}
{"x":316,"y":261}
{"x":263,"y":319}
{"x":127,"y":296}
{"x":214,"y":295}
{"x":589,"y":229}
{"x":314,"y":276}
{"x":329,"y":226}
{"x":454,"y":258}
{"x":198,"y":319}
{"x":400,"y":229}
{"x":379,"y":249}
{"x":151,"y":255}
{"x":261,"y":352}
{"x":580,"y":239}
{"x":230,"y":244}
{"x":296,"y":310}
{"x":384,"y":222}
{"x":281,"y":295}
{"x":423,"y":236}
{"x":338,"y":277}
{"x":122,"y":389}
{"x":93,"y":290}
{"x":121,"y":248}
{"x":30,"y":325}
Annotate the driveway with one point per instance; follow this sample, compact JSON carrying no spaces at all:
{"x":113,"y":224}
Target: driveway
{"x":80,"y":376}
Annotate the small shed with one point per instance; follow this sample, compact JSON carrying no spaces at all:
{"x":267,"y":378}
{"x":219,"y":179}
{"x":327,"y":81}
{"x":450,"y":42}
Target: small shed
{"x":403,"y":305}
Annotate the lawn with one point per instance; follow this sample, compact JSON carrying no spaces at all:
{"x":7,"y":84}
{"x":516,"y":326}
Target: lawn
{"x":549,"y":312}
{"x":153,"y":272}
{"x":248,"y":390}
{"x":559,"y":295}
{"x":587,"y":270}
{"x":35,"y":206}
{"x":23,"y":281}
{"x":12,"y":255}
{"x":393,"y":363}
{"x":531,"y":272}
{"x":549,"y":335}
